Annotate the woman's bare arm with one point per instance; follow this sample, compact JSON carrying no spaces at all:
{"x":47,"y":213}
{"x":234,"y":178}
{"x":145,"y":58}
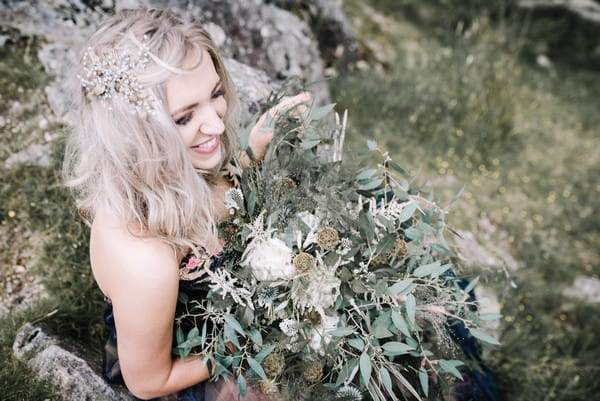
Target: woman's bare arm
{"x":141,"y":278}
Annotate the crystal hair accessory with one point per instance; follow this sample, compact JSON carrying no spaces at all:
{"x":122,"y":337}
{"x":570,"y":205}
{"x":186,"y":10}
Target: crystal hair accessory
{"x":112,"y":75}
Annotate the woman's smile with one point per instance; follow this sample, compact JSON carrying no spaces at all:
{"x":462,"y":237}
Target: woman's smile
{"x":207,"y":147}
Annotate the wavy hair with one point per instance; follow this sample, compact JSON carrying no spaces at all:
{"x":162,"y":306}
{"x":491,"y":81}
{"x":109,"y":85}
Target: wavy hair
{"x":138,"y":167}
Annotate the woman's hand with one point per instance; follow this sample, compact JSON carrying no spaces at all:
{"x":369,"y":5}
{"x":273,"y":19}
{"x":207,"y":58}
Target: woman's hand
{"x":261,"y":134}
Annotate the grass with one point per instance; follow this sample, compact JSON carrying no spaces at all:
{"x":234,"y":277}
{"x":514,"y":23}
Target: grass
{"x":36,"y":212}
{"x":463,"y":101}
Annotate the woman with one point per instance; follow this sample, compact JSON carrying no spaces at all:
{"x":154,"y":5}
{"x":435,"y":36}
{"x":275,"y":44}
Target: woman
{"x":147,"y":166}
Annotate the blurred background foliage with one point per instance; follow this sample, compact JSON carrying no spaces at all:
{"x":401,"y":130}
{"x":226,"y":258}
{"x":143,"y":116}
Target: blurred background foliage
{"x":471,"y":92}
{"x":505,"y":102}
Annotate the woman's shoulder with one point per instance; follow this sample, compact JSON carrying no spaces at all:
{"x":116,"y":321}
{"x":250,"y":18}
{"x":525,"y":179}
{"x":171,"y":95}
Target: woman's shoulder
{"x":119,"y":258}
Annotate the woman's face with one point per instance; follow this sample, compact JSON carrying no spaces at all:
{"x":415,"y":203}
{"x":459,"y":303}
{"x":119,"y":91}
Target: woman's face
{"x":197,"y":106}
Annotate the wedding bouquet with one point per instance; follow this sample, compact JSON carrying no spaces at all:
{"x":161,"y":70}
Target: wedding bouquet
{"x":335,"y":282}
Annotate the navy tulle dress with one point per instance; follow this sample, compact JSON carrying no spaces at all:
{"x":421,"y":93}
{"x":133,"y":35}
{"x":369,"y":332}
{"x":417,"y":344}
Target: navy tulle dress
{"x":479,"y":383}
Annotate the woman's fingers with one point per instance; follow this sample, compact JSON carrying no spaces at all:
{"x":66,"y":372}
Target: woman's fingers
{"x":288,"y":103}
{"x":262,"y":133}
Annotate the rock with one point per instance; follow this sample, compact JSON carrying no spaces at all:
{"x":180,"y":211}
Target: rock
{"x":59,"y":60}
{"x":29,"y":293}
{"x":69,"y":22}
{"x":30,"y":340}
{"x":489,"y":247}
{"x":252,"y":86}
{"x":260,"y":35}
{"x":75,"y":379}
{"x":331,"y":27}
{"x":586,"y":9}
{"x":584,"y":288}
{"x":564,"y":30}
{"x":37,"y":153}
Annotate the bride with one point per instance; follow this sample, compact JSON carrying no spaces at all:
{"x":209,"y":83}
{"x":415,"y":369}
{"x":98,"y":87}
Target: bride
{"x":148,"y":165}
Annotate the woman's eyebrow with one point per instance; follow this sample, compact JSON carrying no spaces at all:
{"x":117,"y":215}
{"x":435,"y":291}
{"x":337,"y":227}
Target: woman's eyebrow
{"x":192,"y":105}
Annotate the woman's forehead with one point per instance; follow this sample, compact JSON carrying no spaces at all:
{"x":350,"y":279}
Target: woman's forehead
{"x":192,"y":86}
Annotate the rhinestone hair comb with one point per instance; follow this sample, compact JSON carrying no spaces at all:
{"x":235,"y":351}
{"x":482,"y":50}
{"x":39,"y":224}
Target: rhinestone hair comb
{"x":112,"y":74}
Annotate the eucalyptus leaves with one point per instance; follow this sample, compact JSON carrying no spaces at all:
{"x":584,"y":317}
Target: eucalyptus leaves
{"x":335,"y":281}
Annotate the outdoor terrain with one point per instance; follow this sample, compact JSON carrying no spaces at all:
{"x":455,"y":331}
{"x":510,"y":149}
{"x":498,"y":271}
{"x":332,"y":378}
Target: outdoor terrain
{"x":477,"y":105}
{"x":484,"y":103}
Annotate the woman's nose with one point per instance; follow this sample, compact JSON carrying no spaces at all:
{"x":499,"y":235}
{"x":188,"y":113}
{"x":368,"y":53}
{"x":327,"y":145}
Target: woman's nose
{"x":211,"y":123}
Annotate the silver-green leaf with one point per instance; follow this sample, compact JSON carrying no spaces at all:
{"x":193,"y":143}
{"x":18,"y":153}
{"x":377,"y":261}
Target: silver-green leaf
{"x":365,"y":367}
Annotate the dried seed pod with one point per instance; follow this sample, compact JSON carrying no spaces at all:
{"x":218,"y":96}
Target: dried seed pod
{"x":328,"y":238}
{"x":313,"y":372}
{"x":273,"y":365}
{"x":314,"y":317}
{"x":267,"y":386}
{"x":400,"y":248}
{"x":303,"y":262}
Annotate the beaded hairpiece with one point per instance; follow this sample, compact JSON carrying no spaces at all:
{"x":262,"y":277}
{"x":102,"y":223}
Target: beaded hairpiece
{"x":112,"y":75}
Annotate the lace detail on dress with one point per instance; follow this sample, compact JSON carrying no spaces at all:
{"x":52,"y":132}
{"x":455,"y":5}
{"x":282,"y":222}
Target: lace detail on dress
{"x":193,"y":268}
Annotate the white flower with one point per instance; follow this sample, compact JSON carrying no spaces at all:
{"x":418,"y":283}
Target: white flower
{"x":289,"y":327}
{"x":293,"y":344}
{"x":321,"y":290}
{"x":222,"y":281}
{"x":344,"y":247}
{"x":390,"y":210}
{"x":270,"y":259}
{"x":319,"y":335}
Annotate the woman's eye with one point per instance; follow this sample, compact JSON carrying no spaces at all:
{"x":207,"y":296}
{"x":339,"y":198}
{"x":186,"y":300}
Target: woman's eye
{"x":184,"y":120}
{"x":218,"y":94}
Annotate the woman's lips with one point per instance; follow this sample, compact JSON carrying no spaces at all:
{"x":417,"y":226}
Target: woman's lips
{"x":207,"y":147}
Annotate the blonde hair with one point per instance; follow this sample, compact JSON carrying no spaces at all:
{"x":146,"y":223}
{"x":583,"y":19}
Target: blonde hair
{"x":138,"y":167}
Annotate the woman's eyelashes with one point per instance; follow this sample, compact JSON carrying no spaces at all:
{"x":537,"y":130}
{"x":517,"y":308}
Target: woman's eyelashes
{"x":185,"y":119}
{"x":188,"y":116}
{"x":218,"y":93}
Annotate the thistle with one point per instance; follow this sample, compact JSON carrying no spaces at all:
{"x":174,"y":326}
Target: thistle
{"x":266,"y":296}
{"x":234,"y":200}
{"x":328,"y":238}
{"x":349,"y":393}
